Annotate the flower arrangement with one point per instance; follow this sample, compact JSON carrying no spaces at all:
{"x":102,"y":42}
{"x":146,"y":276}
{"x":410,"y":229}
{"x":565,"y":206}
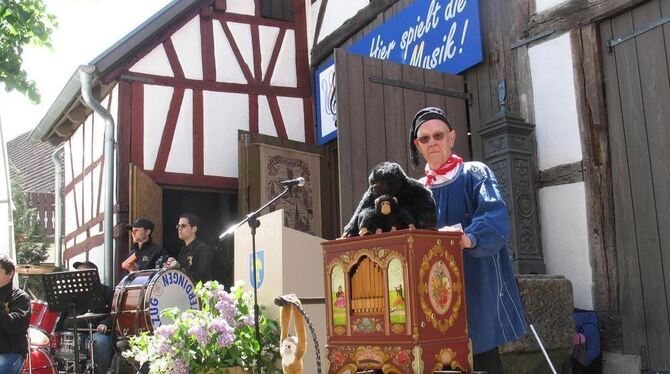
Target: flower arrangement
{"x":219,"y":335}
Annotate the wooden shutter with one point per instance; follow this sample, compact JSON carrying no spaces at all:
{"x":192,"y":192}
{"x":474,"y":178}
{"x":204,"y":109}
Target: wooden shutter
{"x":146,"y":201}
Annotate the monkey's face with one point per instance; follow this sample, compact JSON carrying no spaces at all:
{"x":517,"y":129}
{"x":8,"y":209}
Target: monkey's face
{"x":385,"y":208}
{"x":288,"y":347}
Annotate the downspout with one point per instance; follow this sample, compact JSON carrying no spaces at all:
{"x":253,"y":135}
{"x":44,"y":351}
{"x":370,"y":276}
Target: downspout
{"x":86,"y":78}
{"x":58,"y":207}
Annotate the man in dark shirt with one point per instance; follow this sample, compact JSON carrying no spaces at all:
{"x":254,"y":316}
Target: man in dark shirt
{"x":14,"y":320}
{"x":144,"y":254}
{"x":196,"y":257}
{"x":102,"y":342}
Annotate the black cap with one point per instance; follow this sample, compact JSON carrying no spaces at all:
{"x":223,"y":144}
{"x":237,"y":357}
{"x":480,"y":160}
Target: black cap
{"x":141,"y":222}
{"x":87,"y":263}
{"x":425,"y":114}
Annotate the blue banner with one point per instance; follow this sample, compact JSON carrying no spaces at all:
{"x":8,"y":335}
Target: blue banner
{"x":442,"y":35}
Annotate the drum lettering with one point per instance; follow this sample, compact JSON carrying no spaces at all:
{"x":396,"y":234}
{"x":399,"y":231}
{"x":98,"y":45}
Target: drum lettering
{"x":154,"y":312}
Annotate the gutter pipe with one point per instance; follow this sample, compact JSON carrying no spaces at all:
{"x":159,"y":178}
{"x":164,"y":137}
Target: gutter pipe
{"x":58,"y":207}
{"x":86,"y":77}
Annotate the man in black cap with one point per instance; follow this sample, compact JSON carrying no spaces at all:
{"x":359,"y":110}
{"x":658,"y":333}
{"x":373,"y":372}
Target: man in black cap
{"x":144,"y":253}
{"x":14,"y":319}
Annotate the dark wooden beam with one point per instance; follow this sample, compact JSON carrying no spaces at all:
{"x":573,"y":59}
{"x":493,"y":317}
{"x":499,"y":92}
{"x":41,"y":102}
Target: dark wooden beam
{"x":561,"y":174}
{"x":354,"y":24}
{"x":592,"y":114}
{"x":575,"y":13}
{"x":319,"y":21}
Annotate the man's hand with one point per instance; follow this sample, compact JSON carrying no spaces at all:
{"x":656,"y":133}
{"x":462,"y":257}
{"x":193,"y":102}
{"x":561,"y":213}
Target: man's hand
{"x":465,"y":239}
{"x":101,"y":328}
{"x":171,"y":263}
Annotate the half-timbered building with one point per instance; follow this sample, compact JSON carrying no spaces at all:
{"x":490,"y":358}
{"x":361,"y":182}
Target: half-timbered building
{"x":568,"y":106}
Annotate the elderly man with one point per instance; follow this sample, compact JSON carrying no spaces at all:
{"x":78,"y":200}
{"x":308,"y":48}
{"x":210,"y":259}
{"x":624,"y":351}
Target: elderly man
{"x":468,"y":194}
{"x":14,"y":320}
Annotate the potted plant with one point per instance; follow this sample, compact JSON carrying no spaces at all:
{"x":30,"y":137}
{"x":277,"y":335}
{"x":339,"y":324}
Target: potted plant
{"x":218,"y":338}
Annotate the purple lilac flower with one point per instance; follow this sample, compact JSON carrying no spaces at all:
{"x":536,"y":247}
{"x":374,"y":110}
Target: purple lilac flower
{"x":246,"y":321}
{"x":166,"y":331}
{"x":220,"y":325}
{"x":165,"y":348}
{"x":225,"y":339}
{"x":226,"y":307}
{"x":180,"y":367}
{"x":200,"y":333}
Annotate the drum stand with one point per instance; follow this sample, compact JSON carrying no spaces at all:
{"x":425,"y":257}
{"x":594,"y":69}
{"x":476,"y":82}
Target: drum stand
{"x":91,"y":344}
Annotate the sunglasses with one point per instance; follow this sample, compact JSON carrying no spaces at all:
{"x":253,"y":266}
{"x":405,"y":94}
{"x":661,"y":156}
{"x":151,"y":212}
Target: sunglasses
{"x":182,"y":225}
{"x":438,"y":136}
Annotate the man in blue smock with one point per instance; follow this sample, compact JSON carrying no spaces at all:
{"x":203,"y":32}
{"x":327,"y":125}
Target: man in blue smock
{"x":468,"y":194}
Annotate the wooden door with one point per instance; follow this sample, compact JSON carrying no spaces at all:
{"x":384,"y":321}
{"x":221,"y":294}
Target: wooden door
{"x":146,"y":201}
{"x":376,"y":101}
{"x":638,"y":108}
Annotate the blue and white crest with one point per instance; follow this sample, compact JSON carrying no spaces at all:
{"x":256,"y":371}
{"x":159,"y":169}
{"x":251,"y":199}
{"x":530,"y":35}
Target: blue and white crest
{"x":260,"y":268}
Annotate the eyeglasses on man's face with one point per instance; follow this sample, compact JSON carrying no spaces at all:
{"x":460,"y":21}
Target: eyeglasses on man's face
{"x":437,"y":136}
{"x":182,"y":225}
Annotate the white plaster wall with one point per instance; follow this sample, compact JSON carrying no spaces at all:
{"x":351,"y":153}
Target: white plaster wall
{"x":224,"y":113}
{"x":285,"y":72}
{"x":227,"y":68}
{"x":156,"y":104}
{"x":187,"y":45}
{"x":241,"y":7}
{"x":294,"y":119}
{"x":557,"y":129}
{"x":180,"y":159}
{"x":242,"y":36}
{"x":337,"y":12}
{"x":565,"y":238}
{"x":154,"y":62}
{"x":542,"y":5}
{"x":267,"y":37}
{"x":266,"y":125}
{"x":312,"y":12}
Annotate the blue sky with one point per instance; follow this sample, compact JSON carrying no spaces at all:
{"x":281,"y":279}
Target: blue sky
{"x":86,"y":29}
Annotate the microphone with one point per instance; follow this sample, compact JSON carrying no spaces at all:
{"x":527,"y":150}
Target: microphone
{"x":293,"y":182}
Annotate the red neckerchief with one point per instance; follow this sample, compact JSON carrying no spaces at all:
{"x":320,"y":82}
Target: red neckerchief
{"x":448,"y":166}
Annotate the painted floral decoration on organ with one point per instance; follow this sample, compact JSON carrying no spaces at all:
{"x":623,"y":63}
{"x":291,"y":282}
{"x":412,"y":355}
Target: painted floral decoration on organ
{"x":219,"y":335}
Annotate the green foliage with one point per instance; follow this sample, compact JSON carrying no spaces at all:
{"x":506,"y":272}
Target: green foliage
{"x":31,"y":246}
{"x":22,"y":22}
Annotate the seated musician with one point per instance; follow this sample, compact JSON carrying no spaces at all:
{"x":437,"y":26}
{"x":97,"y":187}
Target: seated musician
{"x":144,"y":253}
{"x":102,"y":342}
{"x":14,"y":320}
{"x":196,"y":258}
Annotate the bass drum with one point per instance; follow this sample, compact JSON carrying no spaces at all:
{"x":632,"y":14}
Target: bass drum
{"x":142,"y":295}
{"x":39,"y":363}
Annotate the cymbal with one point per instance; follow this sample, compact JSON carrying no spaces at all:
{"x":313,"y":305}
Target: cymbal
{"x":90,"y":315}
{"x":29,"y":269}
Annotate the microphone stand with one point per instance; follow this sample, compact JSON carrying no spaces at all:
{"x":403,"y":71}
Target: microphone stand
{"x":254,"y":223}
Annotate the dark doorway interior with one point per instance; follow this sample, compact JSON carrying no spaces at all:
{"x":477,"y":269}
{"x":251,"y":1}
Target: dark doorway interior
{"x":216,"y":210}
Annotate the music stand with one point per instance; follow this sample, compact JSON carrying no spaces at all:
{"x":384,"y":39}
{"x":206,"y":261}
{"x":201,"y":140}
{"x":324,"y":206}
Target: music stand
{"x":70,"y":291}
